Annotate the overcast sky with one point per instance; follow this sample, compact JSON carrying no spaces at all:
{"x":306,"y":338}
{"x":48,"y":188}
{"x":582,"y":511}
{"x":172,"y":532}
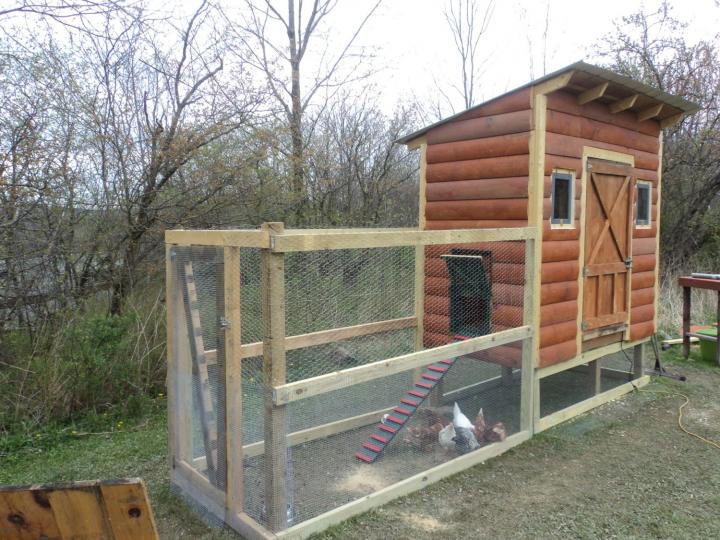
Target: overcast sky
{"x":415,"y":45}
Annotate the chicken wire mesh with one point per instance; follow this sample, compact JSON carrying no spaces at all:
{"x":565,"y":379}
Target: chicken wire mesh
{"x":467,"y":291}
{"x":577,"y":384}
{"x":324,"y":472}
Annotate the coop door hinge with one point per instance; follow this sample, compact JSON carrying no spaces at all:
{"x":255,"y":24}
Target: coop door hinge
{"x":224,"y":323}
{"x":583,"y":326}
{"x":628,"y":263}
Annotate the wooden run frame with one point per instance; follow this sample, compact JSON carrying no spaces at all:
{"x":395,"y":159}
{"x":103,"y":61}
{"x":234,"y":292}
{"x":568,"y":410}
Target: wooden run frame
{"x":221,"y":490}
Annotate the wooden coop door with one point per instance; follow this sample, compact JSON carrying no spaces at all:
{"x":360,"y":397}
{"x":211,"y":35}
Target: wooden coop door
{"x":608,"y":219}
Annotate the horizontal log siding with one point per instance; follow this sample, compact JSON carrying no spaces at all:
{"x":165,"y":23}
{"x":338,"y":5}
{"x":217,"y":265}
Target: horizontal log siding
{"x":570,"y":127}
{"x":476,"y":178}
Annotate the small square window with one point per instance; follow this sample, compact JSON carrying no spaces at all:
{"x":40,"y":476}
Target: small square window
{"x":562,"y":199}
{"x":642,"y":214}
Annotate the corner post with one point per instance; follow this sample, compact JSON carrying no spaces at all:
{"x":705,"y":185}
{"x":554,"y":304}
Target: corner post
{"x":273,"y":314}
{"x":233,"y":384}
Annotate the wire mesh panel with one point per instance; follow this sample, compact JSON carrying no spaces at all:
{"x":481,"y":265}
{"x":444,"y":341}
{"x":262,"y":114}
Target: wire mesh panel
{"x":316,"y":356}
{"x":200,"y":280}
{"x":325,"y":433}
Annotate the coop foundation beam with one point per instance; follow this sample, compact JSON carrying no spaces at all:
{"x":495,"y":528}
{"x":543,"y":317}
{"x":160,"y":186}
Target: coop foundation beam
{"x":283,"y":394}
{"x":235,"y":238}
{"x":608,"y":373}
{"x":589,"y":356}
{"x":409,"y":485}
{"x":476,"y":388}
{"x":354,"y":239}
{"x":589,"y":404}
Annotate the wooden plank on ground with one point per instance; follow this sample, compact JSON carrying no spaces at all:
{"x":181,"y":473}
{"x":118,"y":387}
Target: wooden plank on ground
{"x":112,"y":510}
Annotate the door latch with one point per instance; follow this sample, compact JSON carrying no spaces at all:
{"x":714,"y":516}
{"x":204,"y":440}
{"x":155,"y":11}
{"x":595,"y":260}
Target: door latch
{"x":628,"y":263}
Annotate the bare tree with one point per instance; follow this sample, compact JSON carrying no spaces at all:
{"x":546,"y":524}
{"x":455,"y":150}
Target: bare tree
{"x":281,"y":65}
{"x":468,"y":22}
{"x":653,"y":47}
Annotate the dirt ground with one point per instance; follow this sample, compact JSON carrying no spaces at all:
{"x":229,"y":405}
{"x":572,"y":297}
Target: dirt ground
{"x":624,"y":470}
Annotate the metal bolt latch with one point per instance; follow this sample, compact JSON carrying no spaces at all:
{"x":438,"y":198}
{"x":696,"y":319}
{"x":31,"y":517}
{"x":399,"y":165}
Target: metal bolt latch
{"x":224,"y":323}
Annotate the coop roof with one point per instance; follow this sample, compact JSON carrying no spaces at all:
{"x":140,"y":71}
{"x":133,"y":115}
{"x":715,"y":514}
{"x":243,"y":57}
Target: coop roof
{"x":586,"y":77}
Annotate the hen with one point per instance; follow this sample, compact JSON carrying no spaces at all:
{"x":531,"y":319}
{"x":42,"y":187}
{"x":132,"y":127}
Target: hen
{"x":465,"y":440}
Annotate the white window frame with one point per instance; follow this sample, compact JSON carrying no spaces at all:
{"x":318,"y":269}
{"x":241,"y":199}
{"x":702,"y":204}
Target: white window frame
{"x":649,"y":185}
{"x":556,"y":223}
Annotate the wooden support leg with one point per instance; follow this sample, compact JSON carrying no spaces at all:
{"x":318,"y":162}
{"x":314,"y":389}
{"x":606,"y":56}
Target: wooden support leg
{"x":595,"y":377}
{"x":507,"y":376}
{"x":638,"y":355}
{"x":686,"y":321}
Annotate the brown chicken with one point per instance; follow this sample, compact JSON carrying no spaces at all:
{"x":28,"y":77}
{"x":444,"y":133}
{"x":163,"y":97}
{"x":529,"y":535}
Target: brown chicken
{"x":423,"y":437}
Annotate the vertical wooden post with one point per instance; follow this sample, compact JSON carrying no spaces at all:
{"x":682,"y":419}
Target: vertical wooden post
{"x":529,"y":411}
{"x":638,"y":355}
{"x":273,"y":312}
{"x":233,"y":383}
{"x":686,"y":320}
{"x":420,"y":272}
{"x":717,"y":332}
{"x":220,"y":361}
{"x":595,"y":377}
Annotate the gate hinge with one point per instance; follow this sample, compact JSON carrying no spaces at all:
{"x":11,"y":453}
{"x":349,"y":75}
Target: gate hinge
{"x":628,"y":263}
{"x":583,"y":326}
{"x":224,"y":323}
{"x":584,"y":271}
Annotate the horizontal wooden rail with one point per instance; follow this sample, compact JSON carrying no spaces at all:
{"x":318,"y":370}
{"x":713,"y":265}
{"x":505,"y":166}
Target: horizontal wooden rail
{"x":324,"y":337}
{"x":232,"y":237}
{"x":287,"y":393}
{"x":357,"y":239}
{"x":589,"y":356}
{"x":310,"y":240}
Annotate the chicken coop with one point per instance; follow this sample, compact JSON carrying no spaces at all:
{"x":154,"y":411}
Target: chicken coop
{"x":315,"y":374}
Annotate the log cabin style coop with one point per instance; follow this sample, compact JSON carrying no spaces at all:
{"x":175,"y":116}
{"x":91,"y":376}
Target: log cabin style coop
{"x":578,"y":155}
{"x":315,"y":374}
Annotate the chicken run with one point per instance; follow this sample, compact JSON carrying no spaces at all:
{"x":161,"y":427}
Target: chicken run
{"x":315,"y":374}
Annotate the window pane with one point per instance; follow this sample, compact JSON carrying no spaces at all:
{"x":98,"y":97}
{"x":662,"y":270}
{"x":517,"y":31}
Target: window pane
{"x":643,"y":204}
{"x":561,"y":199}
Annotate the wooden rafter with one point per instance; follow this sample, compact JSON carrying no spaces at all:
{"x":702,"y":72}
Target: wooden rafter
{"x":593,"y":93}
{"x":624,"y":104}
{"x":671,"y":120}
{"x":650,"y":112}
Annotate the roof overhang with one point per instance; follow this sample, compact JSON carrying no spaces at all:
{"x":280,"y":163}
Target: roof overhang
{"x":592,"y":83}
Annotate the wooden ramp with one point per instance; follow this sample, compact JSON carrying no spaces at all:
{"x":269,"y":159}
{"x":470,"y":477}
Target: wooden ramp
{"x":108,"y":510}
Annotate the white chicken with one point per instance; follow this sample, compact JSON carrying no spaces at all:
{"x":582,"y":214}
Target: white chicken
{"x":464,"y":439}
{"x":446,"y":436}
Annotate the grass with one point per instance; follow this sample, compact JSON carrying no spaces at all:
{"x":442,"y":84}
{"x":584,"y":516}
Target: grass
{"x":623,"y":470}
